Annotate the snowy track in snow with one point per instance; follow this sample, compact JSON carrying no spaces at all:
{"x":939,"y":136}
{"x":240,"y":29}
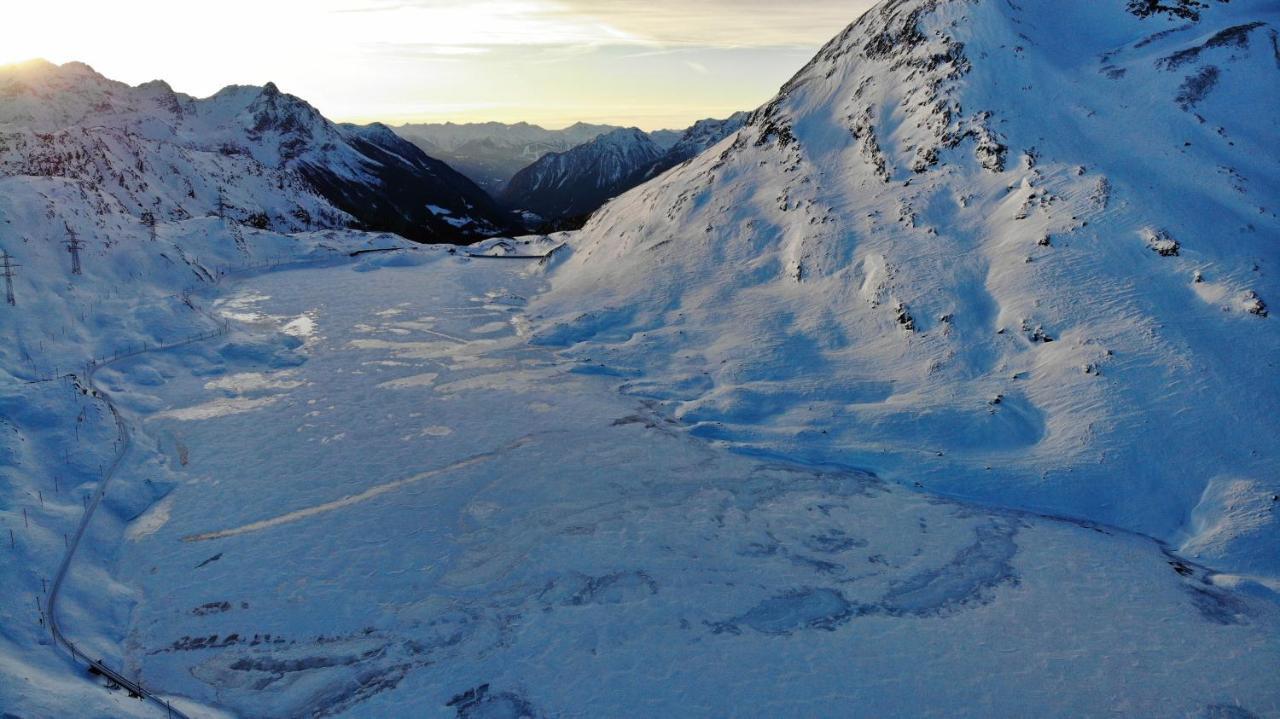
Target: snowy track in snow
{"x":124,"y":442}
{"x":354,"y":499}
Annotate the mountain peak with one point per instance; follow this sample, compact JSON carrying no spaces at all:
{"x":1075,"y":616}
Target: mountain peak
{"x":32,"y":66}
{"x":41,"y":70}
{"x":623,"y":134}
{"x":80,"y":68}
{"x":156,"y":86}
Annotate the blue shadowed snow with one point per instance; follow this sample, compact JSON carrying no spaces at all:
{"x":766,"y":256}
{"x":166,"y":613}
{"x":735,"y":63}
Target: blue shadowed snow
{"x":429,"y":516}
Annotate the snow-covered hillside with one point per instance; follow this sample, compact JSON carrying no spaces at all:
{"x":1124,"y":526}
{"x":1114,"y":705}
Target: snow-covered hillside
{"x":491,"y":153}
{"x":140,"y":287}
{"x":254,"y":154}
{"x":372,"y":497}
{"x":1016,"y":252}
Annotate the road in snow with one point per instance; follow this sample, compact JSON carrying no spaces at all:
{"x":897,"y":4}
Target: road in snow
{"x":391,"y":504}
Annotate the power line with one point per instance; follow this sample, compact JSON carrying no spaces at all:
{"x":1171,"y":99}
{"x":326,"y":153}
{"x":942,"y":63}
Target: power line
{"x":74,"y":245}
{"x":149,"y":219}
{"x":8,"y":268}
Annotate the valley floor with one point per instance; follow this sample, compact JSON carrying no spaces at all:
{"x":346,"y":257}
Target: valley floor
{"x":391,"y":504}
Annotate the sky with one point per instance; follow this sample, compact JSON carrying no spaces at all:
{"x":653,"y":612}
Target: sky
{"x":652,"y":64}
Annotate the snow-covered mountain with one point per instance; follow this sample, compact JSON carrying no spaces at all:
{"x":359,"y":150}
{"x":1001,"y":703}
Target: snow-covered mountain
{"x":695,"y":140}
{"x":567,"y":184}
{"x":491,"y":153}
{"x":254,"y":154}
{"x":1016,"y":252}
{"x":566,"y":187}
{"x":666,"y":139}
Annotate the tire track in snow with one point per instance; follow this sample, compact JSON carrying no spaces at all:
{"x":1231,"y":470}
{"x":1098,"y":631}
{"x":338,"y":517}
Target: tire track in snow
{"x":353,"y":499}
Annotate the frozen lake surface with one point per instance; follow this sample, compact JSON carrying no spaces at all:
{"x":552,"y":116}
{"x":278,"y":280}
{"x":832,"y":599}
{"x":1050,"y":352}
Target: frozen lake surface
{"x":391,"y":504}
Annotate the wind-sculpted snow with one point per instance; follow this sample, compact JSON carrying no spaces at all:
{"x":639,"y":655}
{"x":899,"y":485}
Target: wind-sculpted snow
{"x":514,"y":535}
{"x":1019,"y":252}
{"x":569,"y":550}
{"x":974,"y":571}
{"x":798,"y":609}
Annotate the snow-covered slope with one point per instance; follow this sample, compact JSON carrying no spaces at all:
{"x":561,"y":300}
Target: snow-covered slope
{"x":1016,"y":252}
{"x":161,"y":197}
{"x":139,"y":287}
{"x":572,"y":183}
{"x":266,"y":157}
{"x":491,"y":153}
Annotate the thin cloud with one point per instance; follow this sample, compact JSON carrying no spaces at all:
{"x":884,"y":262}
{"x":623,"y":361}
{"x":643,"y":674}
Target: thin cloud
{"x":706,"y":23}
{"x":723,"y":23}
{"x":554,"y":61}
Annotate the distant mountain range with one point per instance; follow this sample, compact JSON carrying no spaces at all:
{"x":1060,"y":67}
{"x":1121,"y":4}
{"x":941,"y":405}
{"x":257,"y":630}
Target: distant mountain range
{"x":562,"y":188}
{"x":576,"y":182}
{"x":253,"y":154}
{"x":491,"y":153}
{"x":266,"y":158}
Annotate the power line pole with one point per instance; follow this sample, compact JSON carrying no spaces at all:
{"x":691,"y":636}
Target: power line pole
{"x":149,"y":219}
{"x":8,"y":268}
{"x":74,"y":245}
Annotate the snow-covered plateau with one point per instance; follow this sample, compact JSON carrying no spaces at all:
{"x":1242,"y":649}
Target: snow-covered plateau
{"x":945,"y":386}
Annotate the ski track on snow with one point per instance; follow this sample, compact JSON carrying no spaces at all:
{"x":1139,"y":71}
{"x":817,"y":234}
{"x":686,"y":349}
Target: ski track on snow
{"x":354,"y":499}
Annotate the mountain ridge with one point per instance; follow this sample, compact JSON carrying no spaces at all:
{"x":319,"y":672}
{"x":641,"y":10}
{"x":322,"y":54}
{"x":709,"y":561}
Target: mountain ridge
{"x":564,"y":188}
{"x":491,"y":153}
{"x":58,"y":118}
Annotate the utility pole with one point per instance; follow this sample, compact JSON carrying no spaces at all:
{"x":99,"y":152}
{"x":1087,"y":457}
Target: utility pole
{"x":222,"y":205}
{"x":149,"y":219}
{"x":7,"y":268}
{"x":74,"y":245}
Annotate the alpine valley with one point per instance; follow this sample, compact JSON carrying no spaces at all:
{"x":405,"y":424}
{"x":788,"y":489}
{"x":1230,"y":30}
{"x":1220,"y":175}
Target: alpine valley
{"x":943,"y":384}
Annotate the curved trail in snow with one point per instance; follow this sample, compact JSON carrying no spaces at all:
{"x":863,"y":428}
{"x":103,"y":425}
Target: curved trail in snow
{"x":124,"y":442}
